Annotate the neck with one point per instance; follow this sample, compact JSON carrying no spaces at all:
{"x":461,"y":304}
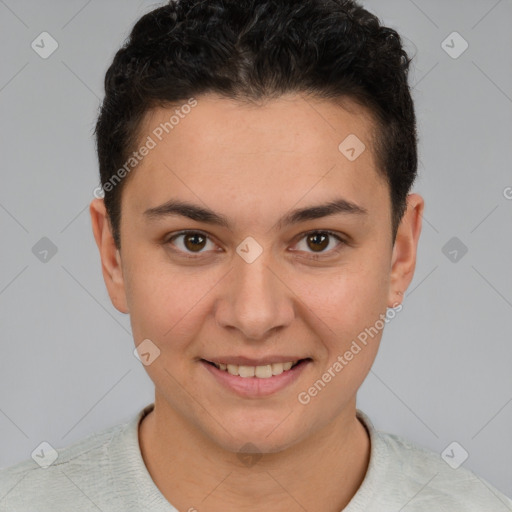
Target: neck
{"x":322,"y":472}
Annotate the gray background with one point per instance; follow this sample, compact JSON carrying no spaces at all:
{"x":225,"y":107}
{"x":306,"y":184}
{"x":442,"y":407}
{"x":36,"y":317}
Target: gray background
{"x":443,"y":371}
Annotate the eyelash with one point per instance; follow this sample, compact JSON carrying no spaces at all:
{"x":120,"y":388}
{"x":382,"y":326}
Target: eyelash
{"x":302,"y":236}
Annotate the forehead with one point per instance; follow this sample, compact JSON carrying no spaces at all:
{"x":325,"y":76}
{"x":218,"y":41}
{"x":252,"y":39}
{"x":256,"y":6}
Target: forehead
{"x":302,"y":124}
{"x":293,"y":148}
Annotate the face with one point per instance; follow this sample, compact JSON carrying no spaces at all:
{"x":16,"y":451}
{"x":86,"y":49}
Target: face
{"x":258,"y":270}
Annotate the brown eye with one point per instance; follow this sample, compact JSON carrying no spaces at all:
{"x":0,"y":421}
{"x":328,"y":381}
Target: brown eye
{"x":194,"y":241}
{"x":318,"y":241}
{"x":190,"y":242}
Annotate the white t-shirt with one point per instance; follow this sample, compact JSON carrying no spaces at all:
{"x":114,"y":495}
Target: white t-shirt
{"x":105,"y":472}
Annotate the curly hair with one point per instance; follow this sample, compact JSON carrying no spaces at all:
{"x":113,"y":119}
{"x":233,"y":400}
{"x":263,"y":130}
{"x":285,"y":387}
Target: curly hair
{"x":251,"y":50}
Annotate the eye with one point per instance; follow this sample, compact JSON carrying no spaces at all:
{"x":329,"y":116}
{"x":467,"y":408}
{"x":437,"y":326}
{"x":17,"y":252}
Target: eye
{"x":318,"y":241}
{"x":192,"y":242}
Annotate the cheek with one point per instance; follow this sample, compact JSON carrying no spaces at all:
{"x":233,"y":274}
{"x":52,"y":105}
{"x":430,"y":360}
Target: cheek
{"x":166,"y":304}
{"x":170,"y":304}
{"x":346,"y":301}
{"x":345,"y":312}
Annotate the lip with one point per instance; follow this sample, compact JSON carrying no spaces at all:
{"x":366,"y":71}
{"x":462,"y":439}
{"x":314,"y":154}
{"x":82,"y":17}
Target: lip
{"x":247,"y":361}
{"x":254,"y":387}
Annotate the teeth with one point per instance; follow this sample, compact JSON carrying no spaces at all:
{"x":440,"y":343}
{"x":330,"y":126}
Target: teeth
{"x":262,"y":372}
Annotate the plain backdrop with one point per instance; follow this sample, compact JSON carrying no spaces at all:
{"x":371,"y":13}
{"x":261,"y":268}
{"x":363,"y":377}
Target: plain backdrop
{"x":443,"y":372}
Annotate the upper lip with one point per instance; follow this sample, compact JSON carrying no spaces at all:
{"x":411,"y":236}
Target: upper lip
{"x":248,"y":361}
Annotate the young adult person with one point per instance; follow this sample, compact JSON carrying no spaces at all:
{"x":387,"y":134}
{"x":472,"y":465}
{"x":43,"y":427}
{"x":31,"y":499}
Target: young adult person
{"x":256,"y":158}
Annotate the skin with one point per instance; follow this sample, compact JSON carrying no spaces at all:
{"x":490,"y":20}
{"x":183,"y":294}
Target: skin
{"x":253,"y":164}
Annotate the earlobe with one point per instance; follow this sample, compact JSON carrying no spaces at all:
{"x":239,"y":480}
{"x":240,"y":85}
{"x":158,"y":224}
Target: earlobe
{"x":111,"y":264}
{"x":405,"y":248}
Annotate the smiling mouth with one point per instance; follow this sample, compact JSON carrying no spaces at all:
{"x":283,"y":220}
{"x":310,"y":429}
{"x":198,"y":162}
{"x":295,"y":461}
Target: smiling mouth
{"x":262,"y":372}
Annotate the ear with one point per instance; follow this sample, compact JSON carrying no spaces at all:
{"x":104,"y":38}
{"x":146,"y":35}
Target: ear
{"x":405,"y":248}
{"x":110,"y":255}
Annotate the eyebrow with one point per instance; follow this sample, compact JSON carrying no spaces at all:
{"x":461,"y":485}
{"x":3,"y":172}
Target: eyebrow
{"x":181,"y":208}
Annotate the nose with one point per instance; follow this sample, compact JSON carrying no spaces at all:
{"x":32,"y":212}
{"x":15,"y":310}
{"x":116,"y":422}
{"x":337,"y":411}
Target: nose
{"x":256,"y":300}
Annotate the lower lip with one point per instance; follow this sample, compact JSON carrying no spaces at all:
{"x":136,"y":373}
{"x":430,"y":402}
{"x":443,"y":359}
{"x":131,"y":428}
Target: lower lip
{"x":255,"y":386}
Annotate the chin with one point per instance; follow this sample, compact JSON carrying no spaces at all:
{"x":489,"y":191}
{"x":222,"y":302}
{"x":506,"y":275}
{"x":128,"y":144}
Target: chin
{"x":269,"y":437}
